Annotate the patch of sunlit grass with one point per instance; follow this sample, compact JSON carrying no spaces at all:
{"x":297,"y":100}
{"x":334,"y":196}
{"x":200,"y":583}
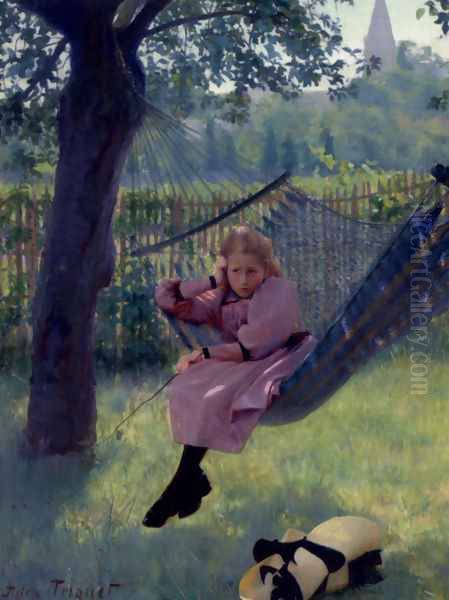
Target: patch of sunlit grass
{"x":373,"y":450}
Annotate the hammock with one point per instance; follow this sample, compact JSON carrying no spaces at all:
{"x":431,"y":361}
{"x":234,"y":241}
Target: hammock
{"x":353,"y":285}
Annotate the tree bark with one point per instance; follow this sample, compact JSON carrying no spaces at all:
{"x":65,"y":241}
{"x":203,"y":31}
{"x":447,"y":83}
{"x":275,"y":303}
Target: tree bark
{"x":98,"y":115}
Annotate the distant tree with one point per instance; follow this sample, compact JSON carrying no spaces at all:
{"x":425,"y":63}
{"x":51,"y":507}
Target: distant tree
{"x":327,"y":140}
{"x":212,"y":158}
{"x":440,"y":10}
{"x":412,"y":57}
{"x":402,"y":58}
{"x":289,"y":155}
{"x":180,"y":92}
{"x":229,"y":152}
{"x":269,"y":161}
{"x":307,"y":160}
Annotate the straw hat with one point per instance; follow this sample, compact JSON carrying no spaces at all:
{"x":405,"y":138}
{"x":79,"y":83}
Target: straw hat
{"x":335,"y":554}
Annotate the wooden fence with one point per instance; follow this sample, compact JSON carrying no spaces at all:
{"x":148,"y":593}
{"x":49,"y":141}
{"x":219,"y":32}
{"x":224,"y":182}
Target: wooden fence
{"x":22,"y":262}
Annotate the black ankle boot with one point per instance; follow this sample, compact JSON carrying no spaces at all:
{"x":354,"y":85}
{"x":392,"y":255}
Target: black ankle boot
{"x":161,"y":510}
{"x":199,"y":488}
{"x":168,"y":503}
{"x":183,"y":495}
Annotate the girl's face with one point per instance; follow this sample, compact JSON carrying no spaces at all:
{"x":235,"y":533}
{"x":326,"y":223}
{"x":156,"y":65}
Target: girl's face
{"x":244,"y":273}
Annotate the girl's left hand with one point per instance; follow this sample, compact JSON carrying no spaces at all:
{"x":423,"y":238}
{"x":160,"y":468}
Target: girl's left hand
{"x":189,"y":359}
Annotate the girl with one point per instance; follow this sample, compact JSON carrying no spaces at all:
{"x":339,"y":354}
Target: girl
{"x":223,"y":390}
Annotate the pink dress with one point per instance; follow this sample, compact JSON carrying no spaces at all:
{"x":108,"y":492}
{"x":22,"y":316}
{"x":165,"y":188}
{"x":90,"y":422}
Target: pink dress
{"x":217,"y":403}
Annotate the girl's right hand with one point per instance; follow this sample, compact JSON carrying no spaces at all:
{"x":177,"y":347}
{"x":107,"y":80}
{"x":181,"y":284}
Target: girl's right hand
{"x":220,"y":272}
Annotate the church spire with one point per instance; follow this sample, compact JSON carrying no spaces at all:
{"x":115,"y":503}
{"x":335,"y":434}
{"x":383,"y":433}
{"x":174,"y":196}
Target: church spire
{"x":380,"y":40}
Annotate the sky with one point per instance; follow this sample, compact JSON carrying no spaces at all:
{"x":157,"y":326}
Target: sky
{"x":355,"y":22}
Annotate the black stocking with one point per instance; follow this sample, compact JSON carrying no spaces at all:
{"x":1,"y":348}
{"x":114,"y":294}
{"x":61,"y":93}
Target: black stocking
{"x":191,"y":458}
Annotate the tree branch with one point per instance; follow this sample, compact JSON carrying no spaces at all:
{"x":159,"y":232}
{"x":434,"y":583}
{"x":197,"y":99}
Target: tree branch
{"x":39,"y":7}
{"x":50,"y":10}
{"x":62,"y":15}
{"x":196,"y":19}
{"x":111,"y":5}
{"x":126,"y":11}
{"x":136,"y":30}
{"x":68,"y":16}
{"x":47,"y":67}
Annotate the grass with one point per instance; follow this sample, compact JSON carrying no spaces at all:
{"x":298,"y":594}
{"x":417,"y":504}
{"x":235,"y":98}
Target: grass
{"x":374,"y":450}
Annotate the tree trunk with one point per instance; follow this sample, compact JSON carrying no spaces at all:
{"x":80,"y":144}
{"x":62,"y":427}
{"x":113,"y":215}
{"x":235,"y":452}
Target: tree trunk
{"x":98,"y":115}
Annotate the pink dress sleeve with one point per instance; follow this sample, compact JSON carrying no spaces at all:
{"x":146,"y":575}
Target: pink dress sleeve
{"x":192,"y":300}
{"x":273,"y":315}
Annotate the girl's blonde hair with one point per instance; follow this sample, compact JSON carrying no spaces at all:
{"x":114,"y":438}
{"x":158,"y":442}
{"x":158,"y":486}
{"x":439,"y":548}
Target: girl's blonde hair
{"x":246,"y":240}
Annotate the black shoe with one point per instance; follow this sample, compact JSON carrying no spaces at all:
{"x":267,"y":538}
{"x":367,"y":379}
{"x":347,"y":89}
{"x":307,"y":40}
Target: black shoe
{"x":168,"y":504}
{"x":199,"y":489}
{"x":160,"y":512}
{"x":183,"y":495}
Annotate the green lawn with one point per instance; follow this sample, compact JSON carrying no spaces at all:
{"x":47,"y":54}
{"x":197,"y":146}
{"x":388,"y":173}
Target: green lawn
{"x":374,"y":450}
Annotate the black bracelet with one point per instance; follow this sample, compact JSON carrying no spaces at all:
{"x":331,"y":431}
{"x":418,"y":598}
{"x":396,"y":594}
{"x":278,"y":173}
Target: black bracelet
{"x":213,"y":281}
{"x":206,"y":352}
{"x":245,"y":352}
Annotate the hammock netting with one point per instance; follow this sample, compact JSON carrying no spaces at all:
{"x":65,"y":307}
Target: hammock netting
{"x":353,"y":276}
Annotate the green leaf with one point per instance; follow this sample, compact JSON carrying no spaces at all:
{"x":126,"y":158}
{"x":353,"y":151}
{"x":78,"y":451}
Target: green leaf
{"x":43,"y":167}
{"x":420,"y":13}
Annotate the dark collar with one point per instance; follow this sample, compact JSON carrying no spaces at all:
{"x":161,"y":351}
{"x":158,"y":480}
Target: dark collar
{"x":231,"y":296}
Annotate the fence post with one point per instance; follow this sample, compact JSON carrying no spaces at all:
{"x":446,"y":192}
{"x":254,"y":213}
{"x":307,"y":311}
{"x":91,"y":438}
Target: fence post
{"x":34,"y":248}
{"x":220,"y":225}
{"x":414,"y":182}
{"x":199,"y":237}
{"x":331,"y":199}
{"x":354,"y":203}
{"x":324,"y":198}
{"x":337,"y":201}
{"x":370,"y":206}
{"x":205,"y":217}
{"x":21,"y":331}
{"x":19,"y":244}
{"x":405,"y":184}
{"x":380,"y":188}
{"x":31,"y":256}
{"x":9,"y":273}
{"x":214,"y":228}
{"x":156,"y":257}
{"x":171,"y":255}
{"x":1,"y":257}
{"x":408,"y":176}
{"x":389,"y":187}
